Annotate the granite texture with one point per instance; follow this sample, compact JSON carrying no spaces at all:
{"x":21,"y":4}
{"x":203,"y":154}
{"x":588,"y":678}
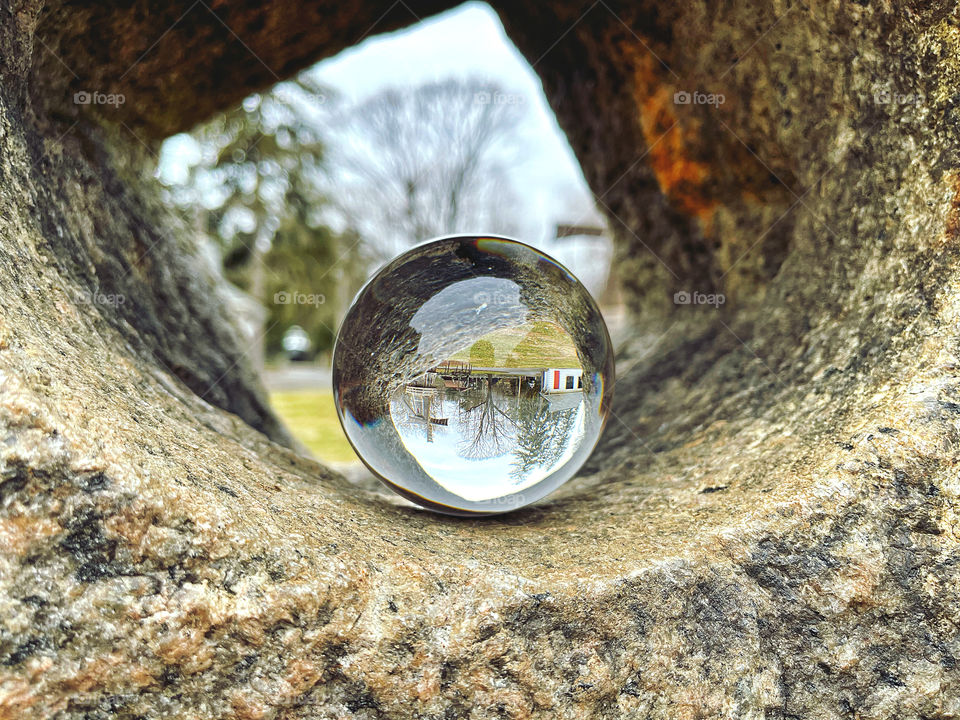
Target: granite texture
{"x":767,"y":530}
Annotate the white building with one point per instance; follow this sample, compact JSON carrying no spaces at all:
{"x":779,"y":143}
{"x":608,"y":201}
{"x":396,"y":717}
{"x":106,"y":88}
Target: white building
{"x":561,"y":380}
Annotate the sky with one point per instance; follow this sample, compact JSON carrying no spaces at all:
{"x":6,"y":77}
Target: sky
{"x":469,"y":42}
{"x":477,"y":479}
{"x":465,"y":42}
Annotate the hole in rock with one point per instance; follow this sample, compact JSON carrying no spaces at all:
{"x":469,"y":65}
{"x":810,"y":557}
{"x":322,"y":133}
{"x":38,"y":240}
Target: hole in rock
{"x":305,"y":189}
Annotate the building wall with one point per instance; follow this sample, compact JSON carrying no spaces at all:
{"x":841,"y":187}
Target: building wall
{"x":555,"y":380}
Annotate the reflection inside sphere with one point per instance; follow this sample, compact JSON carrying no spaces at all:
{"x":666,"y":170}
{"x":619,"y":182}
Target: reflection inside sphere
{"x":473,"y":375}
{"x":498,"y":416}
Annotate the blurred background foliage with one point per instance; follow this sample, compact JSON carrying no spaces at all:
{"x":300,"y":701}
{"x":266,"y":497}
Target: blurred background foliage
{"x":303,"y":195}
{"x":301,"y":192}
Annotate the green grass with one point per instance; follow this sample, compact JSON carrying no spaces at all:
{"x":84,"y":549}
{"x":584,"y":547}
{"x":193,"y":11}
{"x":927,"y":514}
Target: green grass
{"x":541,"y":344}
{"x":312,"y":418}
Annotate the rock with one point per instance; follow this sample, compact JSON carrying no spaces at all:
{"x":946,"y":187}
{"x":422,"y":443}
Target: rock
{"x":768,"y":528}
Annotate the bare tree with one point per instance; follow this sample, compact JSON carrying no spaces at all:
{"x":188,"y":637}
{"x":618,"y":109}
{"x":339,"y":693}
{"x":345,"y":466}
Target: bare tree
{"x":487,"y":428}
{"x":426,"y":161}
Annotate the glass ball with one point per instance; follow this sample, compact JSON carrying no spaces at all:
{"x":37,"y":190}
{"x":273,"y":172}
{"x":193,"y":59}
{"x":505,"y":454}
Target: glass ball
{"x":473,"y":375}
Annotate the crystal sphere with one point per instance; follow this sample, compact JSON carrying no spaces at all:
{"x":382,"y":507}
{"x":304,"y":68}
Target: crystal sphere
{"x":473,"y":375}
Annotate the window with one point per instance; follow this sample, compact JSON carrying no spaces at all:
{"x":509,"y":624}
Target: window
{"x":569,"y":382}
{"x":580,"y":382}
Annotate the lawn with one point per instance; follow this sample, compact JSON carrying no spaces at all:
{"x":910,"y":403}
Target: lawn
{"x":539,"y":345}
{"x":312,"y":418}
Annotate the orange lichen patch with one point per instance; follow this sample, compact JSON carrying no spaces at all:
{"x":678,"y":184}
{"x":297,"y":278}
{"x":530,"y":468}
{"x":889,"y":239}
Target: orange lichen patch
{"x":19,"y":531}
{"x":669,"y":139}
{"x":302,"y":675}
{"x":131,"y":525}
{"x":187,"y":648}
{"x":428,"y":686}
{"x":17,"y":698}
{"x":247,"y":706}
{"x":188,"y":617}
{"x":97,"y":673}
{"x":140,"y":677}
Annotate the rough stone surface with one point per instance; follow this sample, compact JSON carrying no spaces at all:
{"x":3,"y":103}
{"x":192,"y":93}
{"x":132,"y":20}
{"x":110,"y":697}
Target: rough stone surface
{"x":178,"y":62}
{"x":769,"y":529}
